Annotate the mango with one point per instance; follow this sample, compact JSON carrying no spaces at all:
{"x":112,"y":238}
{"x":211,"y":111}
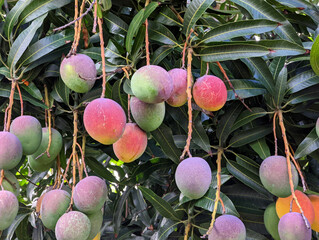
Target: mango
{"x":132,"y":144}
{"x":315,"y":203}
{"x":73,"y":225}
{"x":179,"y":95}
{"x":96,"y":220}
{"x":152,"y":84}
{"x":271,"y":221}
{"x":78,"y":72}
{"x":10,"y":183}
{"x":10,"y":150}
{"x":28,"y":130}
{"x":9,"y":207}
{"x":273,"y":173}
{"x":210,"y":93}
{"x":104,"y":120}
{"x":292,"y":227}
{"x":147,"y":116}
{"x":193,"y":177}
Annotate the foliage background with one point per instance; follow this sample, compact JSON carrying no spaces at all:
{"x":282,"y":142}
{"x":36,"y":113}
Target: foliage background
{"x":264,"y":46}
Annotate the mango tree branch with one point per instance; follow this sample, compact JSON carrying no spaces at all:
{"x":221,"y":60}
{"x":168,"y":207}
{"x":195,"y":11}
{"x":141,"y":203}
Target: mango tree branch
{"x":99,"y":21}
{"x":187,"y":229}
{"x":283,"y":131}
{"x":7,"y":119}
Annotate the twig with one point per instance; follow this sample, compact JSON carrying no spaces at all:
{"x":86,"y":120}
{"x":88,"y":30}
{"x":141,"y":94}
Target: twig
{"x":177,"y":14}
{"x":283,"y":131}
{"x":77,"y":36}
{"x":304,"y":184}
{"x":187,"y":229}
{"x":217,"y":198}
{"x":275,"y":136}
{"x":99,"y":21}
{"x":75,"y":20}
{"x":147,"y":43}
{"x":83,"y":154}
{"x":231,"y":86}
{"x":184,"y":49}
{"x":1,"y":178}
{"x":21,"y":100}
{"x":189,"y":104}
{"x":9,"y":108}
{"x":28,"y":179}
{"x":95,"y":18}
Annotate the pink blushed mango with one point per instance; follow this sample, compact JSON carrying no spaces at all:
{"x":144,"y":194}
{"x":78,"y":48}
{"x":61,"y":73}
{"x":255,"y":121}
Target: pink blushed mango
{"x":132,"y":144}
{"x":78,"y":72}
{"x":9,"y":207}
{"x":210,"y":93}
{"x":10,"y":150}
{"x":292,"y":227}
{"x":179,"y":95}
{"x":104,"y":120}
{"x":152,"y":84}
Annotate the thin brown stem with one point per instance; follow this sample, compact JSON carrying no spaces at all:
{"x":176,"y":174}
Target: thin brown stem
{"x":303,"y":181}
{"x":231,"y":85}
{"x":187,"y":229}
{"x":21,"y":99}
{"x":177,"y":14}
{"x":79,"y":26}
{"x":217,"y":198}
{"x":283,"y":131}
{"x":77,"y":18}
{"x":2,"y":177}
{"x":147,"y":43}
{"x":99,"y":21}
{"x":275,"y":136}
{"x":189,"y":104}
{"x":94,"y":18}
{"x":9,"y":108}
{"x":184,"y":49}
{"x":83,"y":154}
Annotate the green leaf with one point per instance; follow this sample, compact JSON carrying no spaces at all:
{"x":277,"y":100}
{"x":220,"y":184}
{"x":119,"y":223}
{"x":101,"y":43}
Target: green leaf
{"x":237,"y":29}
{"x":167,"y":17}
{"x":33,"y":91}
{"x":276,"y":65}
{"x":247,"y":136}
{"x":251,"y":235}
{"x":245,"y":88}
{"x":247,"y":163}
{"x":167,"y":227}
{"x":115,"y":24}
{"x":60,"y":92}
{"x":16,"y":222}
{"x":304,"y":95}
{"x":163,"y":207}
{"x":261,"y":72}
{"x":226,"y":122}
{"x":5,"y":92}
{"x":308,"y":145}
{"x":43,"y":47}
{"x":13,"y":16}
{"x":199,"y":136}
{"x":261,"y":9}
{"x":163,"y":135}
{"x":160,"y":33}
{"x":261,"y":148}
{"x":23,"y":41}
{"x":5,"y":71}
{"x":161,"y":53}
{"x":136,"y":23}
{"x":100,"y":170}
{"x":280,"y":87}
{"x":225,"y":51}
{"x":193,"y":12}
{"x":302,"y":81}
{"x":248,"y":116}
{"x":140,"y":206}
{"x":138,"y":42}
{"x":207,"y":202}
{"x":37,"y":8}
{"x":247,"y":177}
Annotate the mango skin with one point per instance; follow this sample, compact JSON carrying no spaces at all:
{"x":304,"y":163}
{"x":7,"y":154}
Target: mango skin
{"x":273,"y":173}
{"x":104,"y":120}
{"x":10,"y":150}
{"x":73,"y":225}
{"x":78,"y":72}
{"x":292,"y":226}
{"x":271,"y":221}
{"x":10,"y":183}
{"x":90,"y":194}
{"x":152,"y":84}
{"x":283,"y":206}
{"x":228,"y":227}
{"x":96,"y":220}
{"x":147,"y":116}
{"x":132,"y":144}
{"x":55,"y":147}
{"x":315,"y":203}
{"x":193,"y":177}
{"x":38,"y":166}
{"x":210,"y":93}
{"x":9,"y":207}
{"x":29,"y":131}
{"x":179,"y":96}
{"x":54,"y":204}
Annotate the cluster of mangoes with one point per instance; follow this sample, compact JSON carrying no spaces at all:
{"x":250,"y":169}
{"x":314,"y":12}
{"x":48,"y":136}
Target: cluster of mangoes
{"x":25,"y":137}
{"x":85,"y":221}
{"x":279,"y":221}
